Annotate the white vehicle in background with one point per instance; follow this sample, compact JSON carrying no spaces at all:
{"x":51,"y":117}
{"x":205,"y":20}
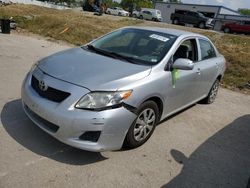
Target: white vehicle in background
{"x":136,"y":13}
{"x":151,"y":14}
{"x":117,"y":11}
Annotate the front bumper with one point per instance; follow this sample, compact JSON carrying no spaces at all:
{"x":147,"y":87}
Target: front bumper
{"x":113,"y":123}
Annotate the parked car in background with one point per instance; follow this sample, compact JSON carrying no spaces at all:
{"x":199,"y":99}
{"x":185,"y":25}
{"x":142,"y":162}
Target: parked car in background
{"x":117,"y":11}
{"x":13,"y":24}
{"x":136,"y":13}
{"x":114,"y":90}
{"x":190,"y":17}
{"x":237,"y":27}
{"x":150,"y":14}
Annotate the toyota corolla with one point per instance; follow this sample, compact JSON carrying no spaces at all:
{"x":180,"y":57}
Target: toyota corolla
{"x":114,"y":90}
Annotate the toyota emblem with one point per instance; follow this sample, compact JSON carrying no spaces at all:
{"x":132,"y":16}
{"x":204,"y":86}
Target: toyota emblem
{"x":42,"y":85}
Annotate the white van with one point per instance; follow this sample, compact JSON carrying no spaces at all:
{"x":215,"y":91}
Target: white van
{"x":151,"y":14}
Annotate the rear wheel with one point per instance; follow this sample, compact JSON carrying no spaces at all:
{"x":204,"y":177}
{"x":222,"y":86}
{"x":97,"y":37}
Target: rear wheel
{"x":141,"y":17}
{"x":109,"y":12}
{"x":143,"y":126}
{"x":119,"y":14}
{"x":212,"y":93}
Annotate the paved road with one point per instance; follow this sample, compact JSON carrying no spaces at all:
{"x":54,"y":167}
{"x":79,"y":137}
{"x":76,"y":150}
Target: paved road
{"x":204,"y":146}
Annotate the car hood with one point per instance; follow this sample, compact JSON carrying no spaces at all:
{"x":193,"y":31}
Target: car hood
{"x":93,"y":71}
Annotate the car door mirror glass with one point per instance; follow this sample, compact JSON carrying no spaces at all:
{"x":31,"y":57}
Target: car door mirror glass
{"x":183,"y":64}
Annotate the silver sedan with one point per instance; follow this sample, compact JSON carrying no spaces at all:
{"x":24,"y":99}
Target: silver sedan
{"x":113,"y":91}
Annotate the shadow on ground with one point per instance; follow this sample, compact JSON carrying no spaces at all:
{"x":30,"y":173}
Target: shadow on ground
{"x":222,"y":161}
{"x":26,"y":133}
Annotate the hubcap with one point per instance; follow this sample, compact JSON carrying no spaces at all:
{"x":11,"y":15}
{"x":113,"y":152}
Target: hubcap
{"x":214,"y":92}
{"x":144,"y":124}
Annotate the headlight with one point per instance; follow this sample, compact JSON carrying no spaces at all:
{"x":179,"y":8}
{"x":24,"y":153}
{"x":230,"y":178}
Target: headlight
{"x":102,"y":99}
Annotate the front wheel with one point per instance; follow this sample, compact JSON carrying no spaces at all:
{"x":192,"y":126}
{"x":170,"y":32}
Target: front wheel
{"x":176,"y":21}
{"x":226,"y":30}
{"x":212,"y":93}
{"x":141,"y":17}
{"x":143,"y":126}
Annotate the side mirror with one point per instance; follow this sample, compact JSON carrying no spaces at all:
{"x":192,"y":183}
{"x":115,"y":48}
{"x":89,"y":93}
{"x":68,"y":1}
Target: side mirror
{"x":183,"y":64}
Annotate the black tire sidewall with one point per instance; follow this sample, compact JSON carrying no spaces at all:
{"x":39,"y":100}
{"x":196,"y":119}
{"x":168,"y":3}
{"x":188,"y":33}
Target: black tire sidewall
{"x":176,"y":21}
{"x":208,"y":97}
{"x":201,"y":25}
{"x":130,"y":140}
{"x":226,"y":30}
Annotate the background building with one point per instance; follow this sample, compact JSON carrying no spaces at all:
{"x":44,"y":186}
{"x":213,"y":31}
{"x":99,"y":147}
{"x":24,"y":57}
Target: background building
{"x":221,"y":14}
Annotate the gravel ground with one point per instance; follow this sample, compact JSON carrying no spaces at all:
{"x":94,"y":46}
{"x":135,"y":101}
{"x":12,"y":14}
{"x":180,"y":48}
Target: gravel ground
{"x":203,"y":146}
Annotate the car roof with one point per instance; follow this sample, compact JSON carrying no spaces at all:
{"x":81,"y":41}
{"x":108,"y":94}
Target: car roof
{"x":170,"y":31}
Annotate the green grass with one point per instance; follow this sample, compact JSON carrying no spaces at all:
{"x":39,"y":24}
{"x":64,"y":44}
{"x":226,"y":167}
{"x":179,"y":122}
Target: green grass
{"x":81,"y":28}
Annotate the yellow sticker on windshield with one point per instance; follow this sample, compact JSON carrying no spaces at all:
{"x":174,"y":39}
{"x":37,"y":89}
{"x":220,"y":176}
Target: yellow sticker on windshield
{"x":158,"y":37}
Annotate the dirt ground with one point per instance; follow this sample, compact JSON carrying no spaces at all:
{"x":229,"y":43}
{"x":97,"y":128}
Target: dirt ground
{"x":203,"y":146}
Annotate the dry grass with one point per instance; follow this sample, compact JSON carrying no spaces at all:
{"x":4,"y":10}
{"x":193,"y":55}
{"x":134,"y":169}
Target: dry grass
{"x":49,"y":22}
{"x":81,"y":28}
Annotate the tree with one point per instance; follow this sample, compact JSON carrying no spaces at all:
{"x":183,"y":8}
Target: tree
{"x":244,"y":11}
{"x":136,"y":4}
{"x":111,"y":3}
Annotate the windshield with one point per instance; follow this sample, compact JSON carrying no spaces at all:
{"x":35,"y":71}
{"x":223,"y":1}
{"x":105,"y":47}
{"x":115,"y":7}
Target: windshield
{"x":137,"y":45}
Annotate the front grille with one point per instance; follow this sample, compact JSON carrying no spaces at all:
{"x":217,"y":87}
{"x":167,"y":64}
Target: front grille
{"x":43,"y":122}
{"x":51,"y":93}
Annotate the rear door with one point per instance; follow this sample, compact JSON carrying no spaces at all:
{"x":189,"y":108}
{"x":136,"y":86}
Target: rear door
{"x":245,"y":27}
{"x":208,"y":66}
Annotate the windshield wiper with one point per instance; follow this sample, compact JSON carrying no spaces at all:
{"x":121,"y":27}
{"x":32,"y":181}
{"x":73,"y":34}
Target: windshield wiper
{"x":126,"y":58}
{"x":112,"y":54}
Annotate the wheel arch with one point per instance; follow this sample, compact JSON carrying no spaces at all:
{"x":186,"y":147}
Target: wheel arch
{"x":158,"y":102}
{"x":219,"y":77}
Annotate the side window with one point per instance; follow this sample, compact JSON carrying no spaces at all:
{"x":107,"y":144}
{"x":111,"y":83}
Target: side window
{"x":187,"y":50}
{"x":207,"y":50}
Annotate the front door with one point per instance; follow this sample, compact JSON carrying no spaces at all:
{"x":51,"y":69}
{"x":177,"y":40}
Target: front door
{"x":184,"y":91}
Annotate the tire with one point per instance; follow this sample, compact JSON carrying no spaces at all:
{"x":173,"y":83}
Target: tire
{"x":154,"y":19}
{"x":227,"y":30}
{"x":109,"y":12}
{"x":143,"y":126}
{"x":176,"y":21}
{"x":201,"y":25}
{"x":212,"y":93}
{"x":141,"y":17}
{"x":119,"y":14}
{"x":134,"y":16}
